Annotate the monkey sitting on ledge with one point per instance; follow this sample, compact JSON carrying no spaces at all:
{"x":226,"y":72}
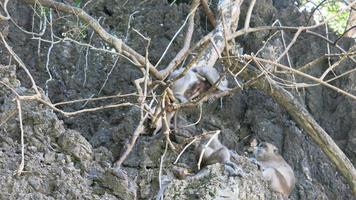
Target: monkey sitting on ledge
{"x":215,"y":152}
{"x":275,"y":169}
{"x":209,"y":154}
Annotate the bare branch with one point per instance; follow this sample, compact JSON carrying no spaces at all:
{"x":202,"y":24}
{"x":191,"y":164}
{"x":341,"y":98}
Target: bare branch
{"x":189,"y":17}
{"x":248,"y":15}
{"x":290,"y":44}
{"x":94,"y":24}
{"x":7,"y":17}
{"x":205,"y":146}
{"x":208,"y":12}
{"x":267,"y":28}
{"x":161,"y":169}
{"x":95,"y":99}
{"x":139,"y":129}
{"x":185,"y":148}
{"x":303,"y":75}
{"x":19,"y":61}
{"x":307,"y":122}
{"x":22,"y":163}
{"x":188,"y":37}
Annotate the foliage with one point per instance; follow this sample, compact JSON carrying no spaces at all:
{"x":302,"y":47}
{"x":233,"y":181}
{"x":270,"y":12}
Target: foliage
{"x":327,"y":9}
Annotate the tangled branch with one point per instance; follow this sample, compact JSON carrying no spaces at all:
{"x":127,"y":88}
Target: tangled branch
{"x":217,"y":45}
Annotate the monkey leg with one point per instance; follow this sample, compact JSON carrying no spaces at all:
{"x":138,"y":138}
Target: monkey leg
{"x":269,"y":174}
{"x":206,"y":159}
{"x":159,"y":122}
{"x":221,"y":155}
{"x":276,"y":180}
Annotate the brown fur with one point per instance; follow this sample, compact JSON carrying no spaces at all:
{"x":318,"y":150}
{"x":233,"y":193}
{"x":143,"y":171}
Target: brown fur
{"x":197,"y":89}
{"x":275,"y":169}
{"x":215,"y":152}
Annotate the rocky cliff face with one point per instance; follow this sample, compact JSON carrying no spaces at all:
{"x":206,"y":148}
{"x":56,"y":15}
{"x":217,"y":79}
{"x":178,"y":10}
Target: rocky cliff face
{"x":71,"y":158}
{"x":61,"y":164}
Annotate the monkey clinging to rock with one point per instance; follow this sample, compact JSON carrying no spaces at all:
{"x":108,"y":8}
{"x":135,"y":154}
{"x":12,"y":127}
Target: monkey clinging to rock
{"x":274,"y":168}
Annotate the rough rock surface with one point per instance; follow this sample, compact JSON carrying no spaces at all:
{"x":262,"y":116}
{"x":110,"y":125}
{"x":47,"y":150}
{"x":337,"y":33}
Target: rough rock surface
{"x":59,"y":163}
{"x":217,"y":185}
{"x":71,"y":159}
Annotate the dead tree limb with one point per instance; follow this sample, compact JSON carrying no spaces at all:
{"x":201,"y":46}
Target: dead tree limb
{"x":229,"y":12}
{"x":208,"y":12}
{"x":7,"y":17}
{"x":185,"y":49}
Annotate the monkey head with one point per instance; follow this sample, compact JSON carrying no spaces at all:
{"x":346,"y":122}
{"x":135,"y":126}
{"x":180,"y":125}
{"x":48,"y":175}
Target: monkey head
{"x":265,"y":151}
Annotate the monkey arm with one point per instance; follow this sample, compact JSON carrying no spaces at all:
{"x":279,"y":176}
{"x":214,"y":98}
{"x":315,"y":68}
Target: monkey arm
{"x":269,"y":173}
{"x":181,"y":85}
{"x":213,"y":76}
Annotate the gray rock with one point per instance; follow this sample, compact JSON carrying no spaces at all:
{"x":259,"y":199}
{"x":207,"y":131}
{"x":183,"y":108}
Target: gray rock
{"x":76,"y":145}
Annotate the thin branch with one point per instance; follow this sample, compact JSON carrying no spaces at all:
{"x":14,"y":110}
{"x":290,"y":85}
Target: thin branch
{"x":94,"y":24}
{"x":22,"y":163}
{"x":49,"y":53}
{"x":140,"y":127}
{"x":332,"y":67}
{"x":183,"y":52}
{"x":313,"y":11}
{"x":185,"y":148}
{"x":108,"y":75}
{"x":19,"y":61}
{"x":344,"y":33}
{"x":311,"y":63}
{"x":205,"y":146}
{"x":95,"y":99}
{"x":43,"y":24}
{"x":199,"y":118}
{"x":160,"y":169}
{"x":268,"y":28}
{"x":8,"y":116}
{"x":208,"y":12}
{"x":7,"y":17}
{"x":86,"y":62}
{"x":248,"y":15}
{"x":331,"y":42}
{"x":303,"y":75}
{"x":189,"y":17}
{"x":296,"y":35}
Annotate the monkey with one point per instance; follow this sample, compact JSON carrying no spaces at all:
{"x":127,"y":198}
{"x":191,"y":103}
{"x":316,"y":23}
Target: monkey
{"x":216,"y":152}
{"x":275,"y":169}
{"x":212,"y":76}
{"x":198,"y":88}
{"x":180,"y":86}
{"x":159,"y":124}
{"x":192,"y":82}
